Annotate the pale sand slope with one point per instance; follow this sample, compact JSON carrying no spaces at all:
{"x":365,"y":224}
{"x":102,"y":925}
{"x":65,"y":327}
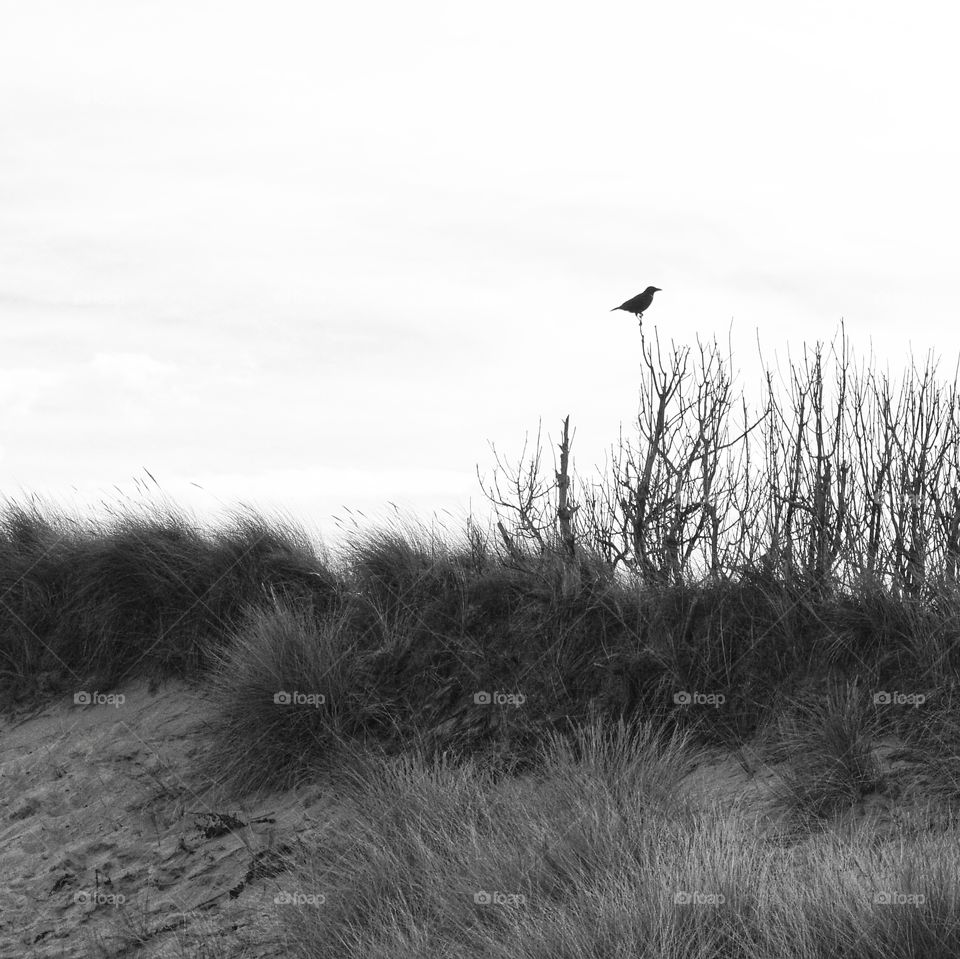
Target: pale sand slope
{"x":95,"y":804}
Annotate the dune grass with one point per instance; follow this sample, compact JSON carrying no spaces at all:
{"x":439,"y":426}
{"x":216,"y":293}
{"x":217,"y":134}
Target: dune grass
{"x":509,"y":712}
{"x":406,"y":637}
{"x":144,"y":593}
{"x":599,"y":854}
{"x":501,"y":730}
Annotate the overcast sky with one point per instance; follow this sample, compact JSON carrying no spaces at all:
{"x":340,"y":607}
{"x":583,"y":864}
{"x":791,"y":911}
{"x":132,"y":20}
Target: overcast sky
{"x":306,"y":255}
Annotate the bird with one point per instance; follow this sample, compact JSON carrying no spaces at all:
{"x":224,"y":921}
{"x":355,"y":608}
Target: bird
{"x":639,"y":303}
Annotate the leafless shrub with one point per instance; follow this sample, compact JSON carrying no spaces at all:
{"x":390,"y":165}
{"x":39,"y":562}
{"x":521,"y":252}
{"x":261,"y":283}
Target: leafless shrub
{"x":842,"y":477}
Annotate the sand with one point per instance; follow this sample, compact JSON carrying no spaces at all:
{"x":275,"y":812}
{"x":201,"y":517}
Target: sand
{"x":111,"y":843}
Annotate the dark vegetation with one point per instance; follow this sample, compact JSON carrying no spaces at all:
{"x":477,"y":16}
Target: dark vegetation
{"x":688,"y":571}
{"x":788,"y":580}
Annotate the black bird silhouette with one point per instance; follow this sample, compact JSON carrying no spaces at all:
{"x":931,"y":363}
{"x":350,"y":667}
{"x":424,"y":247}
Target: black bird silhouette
{"x":639,"y":303}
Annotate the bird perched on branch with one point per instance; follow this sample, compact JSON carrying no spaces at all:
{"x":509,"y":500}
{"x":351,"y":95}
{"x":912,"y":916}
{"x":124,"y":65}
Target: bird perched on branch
{"x":639,"y":303}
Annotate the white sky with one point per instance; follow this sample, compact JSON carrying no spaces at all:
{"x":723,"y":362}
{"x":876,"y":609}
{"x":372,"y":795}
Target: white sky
{"x":308,"y":255}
